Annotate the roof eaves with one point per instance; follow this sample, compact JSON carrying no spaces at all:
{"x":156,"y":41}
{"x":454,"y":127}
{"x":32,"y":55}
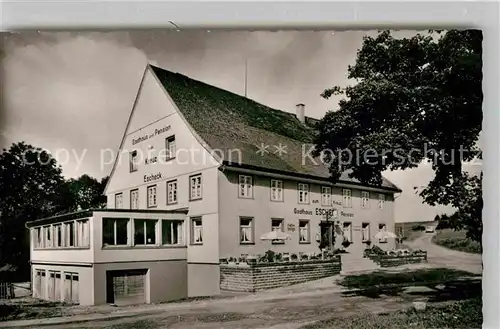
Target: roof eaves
{"x":309,"y":176}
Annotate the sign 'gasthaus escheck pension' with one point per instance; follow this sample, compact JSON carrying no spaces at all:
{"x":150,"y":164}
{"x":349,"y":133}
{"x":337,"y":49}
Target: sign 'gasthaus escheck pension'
{"x":145,"y":137}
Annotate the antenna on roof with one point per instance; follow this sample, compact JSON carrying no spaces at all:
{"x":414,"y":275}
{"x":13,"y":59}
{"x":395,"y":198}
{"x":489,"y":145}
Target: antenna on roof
{"x":246,"y":75}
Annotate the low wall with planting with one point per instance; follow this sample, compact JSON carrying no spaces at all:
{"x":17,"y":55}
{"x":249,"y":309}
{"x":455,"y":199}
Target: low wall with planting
{"x":398,"y":260}
{"x":261,"y":276}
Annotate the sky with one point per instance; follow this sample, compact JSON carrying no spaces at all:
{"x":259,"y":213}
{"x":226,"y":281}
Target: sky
{"x":71,"y":93}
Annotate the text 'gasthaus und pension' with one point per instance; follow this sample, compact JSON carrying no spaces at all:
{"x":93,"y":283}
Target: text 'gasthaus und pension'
{"x":150,"y":135}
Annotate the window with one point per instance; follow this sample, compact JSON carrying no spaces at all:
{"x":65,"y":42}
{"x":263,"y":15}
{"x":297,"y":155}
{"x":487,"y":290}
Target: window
{"x":134,"y":199}
{"x":172,"y":192}
{"x":381,"y":201}
{"x":171,"y":232}
{"x":246,"y":187}
{"x":276,"y":190}
{"x":365,"y":199}
{"x":151,"y":196}
{"x":37,"y":237}
{"x":83,"y":233}
{"x":303,"y":193}
{"x":71,"y":287}
{"x":119,"y":201}
{"x":115,"y":231}
{"x":348,"y":231}
{"x":382,"y":228}
{"x":326,"y":196}
{"x":304,"y":236}
{"x":365,"y":231}
{"x":195,"y":187}
{"x":47,"y":236}
{"x":277,"y":225}
{"x":246,"y":235}
{"x":196,"y":231}
{"x":69,"y":234}
{"x":144,"y":232}
{"x":58,"y":237}
{"x":133,"y":161}
{"x":170,"y":147}
{"x":37,"y":284}
{"x":346,"y":197}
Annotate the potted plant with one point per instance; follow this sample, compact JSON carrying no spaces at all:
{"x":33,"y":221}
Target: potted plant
{"x":294,"y":257}
{"x":304,"y":257}
{"x":278,"y":257}
{"x":231,"y":260}
{"x":346,"y":243}
{"x":270,"y":255}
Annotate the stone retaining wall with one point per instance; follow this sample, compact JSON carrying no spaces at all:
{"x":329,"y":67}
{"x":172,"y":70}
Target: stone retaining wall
{"x":255,"y":277}
{"x":392,"y":261}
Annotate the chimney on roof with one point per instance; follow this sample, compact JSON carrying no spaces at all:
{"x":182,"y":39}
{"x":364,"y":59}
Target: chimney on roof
{"x":301,"y":112}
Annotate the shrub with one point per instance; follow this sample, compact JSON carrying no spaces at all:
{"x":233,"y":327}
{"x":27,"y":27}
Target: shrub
{"x":377,"y":250}
{"x":270,"y":256}
{"x":418,"y":228}
{"x":367,"y":252}
{"x":304,"y":257}
{"x":442,"y":225}
{"x":294,"y":257}
{"x":368,"y":243}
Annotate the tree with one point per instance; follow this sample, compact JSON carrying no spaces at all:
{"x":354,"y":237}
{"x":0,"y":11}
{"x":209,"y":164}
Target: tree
{"x":416,"y":99}
{"x":86,"y":192}
{"x":29,"y":182}
{"x":32,"y":187}
{"x":436,"y":218}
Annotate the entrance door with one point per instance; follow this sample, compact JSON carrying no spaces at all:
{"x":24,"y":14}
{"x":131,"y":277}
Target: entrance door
{"x":326,"y":229}
{"x":126,"y":287}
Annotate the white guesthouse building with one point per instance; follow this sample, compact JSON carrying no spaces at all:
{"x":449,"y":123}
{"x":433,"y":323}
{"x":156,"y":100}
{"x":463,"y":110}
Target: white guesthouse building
{"x":201,"y":174}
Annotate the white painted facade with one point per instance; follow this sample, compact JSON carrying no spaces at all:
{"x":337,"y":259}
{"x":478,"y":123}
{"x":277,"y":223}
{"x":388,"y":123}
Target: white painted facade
{"x":196,"y":181}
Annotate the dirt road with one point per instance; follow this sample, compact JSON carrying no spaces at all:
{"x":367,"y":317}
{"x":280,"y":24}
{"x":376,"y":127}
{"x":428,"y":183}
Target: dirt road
{"x":289,"y":313}
{"x":444,"y":257}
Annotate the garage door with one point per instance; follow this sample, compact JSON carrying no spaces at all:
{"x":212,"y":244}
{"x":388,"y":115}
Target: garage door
{"x":126,"y":287}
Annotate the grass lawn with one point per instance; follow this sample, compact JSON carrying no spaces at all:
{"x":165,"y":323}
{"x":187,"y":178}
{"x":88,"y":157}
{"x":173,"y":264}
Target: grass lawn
{"x":379,"y":278}
{"x":14,"y":310}
{"x":465,"y":314}
{"x":456,"y":240}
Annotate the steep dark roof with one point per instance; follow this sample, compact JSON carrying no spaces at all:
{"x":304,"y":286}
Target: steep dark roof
{"x":227,"y":121}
